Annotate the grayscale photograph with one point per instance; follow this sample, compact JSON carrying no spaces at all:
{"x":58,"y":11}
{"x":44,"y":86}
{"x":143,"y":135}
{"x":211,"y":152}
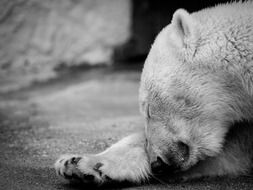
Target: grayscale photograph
{"x":126,"y":94}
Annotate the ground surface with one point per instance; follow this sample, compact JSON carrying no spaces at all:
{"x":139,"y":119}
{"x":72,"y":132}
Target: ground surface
{"x":79,"y":113}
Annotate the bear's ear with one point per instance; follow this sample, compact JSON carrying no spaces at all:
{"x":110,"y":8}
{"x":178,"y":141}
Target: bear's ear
{"x":184,"y":26}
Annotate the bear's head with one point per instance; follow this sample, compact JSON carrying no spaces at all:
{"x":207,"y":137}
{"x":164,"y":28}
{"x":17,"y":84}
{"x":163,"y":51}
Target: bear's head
{"x":189,"y":95}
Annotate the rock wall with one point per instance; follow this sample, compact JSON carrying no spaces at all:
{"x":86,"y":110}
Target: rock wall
{"x":36,"y":36}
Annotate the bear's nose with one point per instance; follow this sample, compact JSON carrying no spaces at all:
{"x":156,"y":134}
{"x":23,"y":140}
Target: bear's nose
{"x":157,"y":166}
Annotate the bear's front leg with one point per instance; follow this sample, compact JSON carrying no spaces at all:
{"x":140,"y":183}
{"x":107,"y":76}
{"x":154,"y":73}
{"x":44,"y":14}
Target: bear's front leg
{"x":124,"y":161}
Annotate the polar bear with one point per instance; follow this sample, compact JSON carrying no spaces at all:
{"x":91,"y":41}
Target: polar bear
{"x":196,"y":96}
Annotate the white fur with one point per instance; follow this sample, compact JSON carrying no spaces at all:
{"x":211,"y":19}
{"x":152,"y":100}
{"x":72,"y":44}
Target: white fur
{"x":198,"y":80}
{"x":125,"y":160}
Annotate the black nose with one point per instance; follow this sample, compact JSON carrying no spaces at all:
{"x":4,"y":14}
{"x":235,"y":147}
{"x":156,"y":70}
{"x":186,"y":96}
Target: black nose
{"x":160,"y":167}
{"x":157,"y":166}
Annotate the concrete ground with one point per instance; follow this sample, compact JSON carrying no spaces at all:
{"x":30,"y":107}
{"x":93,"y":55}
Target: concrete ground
{"x":78,"y":113}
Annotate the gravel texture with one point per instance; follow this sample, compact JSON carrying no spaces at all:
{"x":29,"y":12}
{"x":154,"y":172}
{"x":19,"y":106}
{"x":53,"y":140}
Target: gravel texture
{"x":78,"y":113}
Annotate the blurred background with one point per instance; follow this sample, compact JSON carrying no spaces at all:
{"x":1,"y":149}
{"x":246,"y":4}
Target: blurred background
{"x":39,"y":38}
{"x":69,"y":79}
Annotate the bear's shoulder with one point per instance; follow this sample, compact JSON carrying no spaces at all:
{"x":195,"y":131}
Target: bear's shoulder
{"x":226,"y":10}
{"x":226,"y":16}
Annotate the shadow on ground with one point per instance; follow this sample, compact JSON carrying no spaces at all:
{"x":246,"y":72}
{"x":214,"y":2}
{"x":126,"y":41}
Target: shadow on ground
{"x":84,"y":112}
